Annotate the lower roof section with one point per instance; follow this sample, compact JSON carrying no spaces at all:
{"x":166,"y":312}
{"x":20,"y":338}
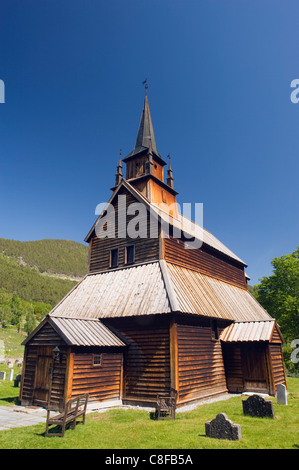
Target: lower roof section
{"x":158,"y":288}
{"x":78,"y":332}
{"x":248,"y":331}
{"x":203,"y":295}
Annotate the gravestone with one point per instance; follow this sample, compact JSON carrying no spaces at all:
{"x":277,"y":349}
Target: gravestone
{"x":281,"y":396}
{"x":223,"y":428}
{"x":10,"y":375}
{"x":257,"y":406}
{"x":17,"y":380}
{"x":2,"y":375}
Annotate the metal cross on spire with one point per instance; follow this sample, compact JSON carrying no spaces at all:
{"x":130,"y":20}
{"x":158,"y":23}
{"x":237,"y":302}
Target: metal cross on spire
{"x":145,"y":85}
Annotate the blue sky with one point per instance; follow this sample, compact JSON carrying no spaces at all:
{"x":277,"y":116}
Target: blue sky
{"x":219,"y":76}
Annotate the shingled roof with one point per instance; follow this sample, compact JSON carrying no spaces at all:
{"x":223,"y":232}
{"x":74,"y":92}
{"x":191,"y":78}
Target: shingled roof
{"x":158,"y":288}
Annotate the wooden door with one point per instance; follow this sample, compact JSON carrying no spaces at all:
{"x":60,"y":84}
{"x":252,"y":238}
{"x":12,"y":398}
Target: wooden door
{"x":255,"y":368}
{"x":43,"y":376}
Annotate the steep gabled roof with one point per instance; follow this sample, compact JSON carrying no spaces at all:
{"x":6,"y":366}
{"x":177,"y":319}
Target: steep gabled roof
{"x":158,"y":288}
{"x":181,"y":222}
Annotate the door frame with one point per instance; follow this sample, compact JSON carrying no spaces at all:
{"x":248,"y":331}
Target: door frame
{"x":45,"y":352}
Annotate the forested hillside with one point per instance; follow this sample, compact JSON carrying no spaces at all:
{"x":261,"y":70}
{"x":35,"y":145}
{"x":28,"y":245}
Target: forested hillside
{"x":51,"y":256}
{"x":35,"y":276}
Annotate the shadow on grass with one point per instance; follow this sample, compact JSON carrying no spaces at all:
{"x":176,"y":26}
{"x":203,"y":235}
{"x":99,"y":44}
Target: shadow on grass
{"x":56,"y":430}
{"x":10,"y":400}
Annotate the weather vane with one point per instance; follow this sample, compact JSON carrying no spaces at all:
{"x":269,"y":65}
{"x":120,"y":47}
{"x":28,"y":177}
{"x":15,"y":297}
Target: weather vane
{"x":145,"y":85}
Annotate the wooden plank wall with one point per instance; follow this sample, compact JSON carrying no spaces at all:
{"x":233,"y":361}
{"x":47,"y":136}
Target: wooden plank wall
{"x":46,"y":336}
{"x":200,"y":362}
{"x":277,"y":364}
{"x":203,"y":261}
{"x":147,"y":360}
{"x":233,"y":367}
{"x":28,"y":375}
{"x":102,"y":382}
{"x":146,"y":249}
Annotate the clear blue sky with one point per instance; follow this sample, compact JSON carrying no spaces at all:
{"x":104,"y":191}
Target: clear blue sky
{"x":219,"y":76}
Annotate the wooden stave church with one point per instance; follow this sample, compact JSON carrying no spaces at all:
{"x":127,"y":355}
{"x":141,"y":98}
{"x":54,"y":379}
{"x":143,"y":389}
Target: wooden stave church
{"x":170,"y":317}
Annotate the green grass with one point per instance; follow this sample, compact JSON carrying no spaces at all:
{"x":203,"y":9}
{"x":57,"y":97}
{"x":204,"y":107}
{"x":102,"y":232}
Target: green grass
{"x":12,"y":342}
{"x":133,"y":429}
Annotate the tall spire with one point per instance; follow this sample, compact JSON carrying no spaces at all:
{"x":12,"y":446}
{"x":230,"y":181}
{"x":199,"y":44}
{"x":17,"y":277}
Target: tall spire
{"x":146,"y":136}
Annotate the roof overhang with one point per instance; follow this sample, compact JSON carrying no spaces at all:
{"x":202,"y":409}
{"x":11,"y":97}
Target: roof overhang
{"x":249,"y":331}
{"x":80,"y":332}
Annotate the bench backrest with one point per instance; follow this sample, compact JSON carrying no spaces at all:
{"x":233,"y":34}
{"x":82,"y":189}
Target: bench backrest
{"x":76,"y":404}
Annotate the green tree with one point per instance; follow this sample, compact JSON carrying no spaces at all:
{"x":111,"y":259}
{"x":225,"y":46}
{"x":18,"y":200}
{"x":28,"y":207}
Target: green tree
{"x":18,"y":310}
{"x":279,"y":294}
{"x":5,"y":315}
{"x":30,"y":322}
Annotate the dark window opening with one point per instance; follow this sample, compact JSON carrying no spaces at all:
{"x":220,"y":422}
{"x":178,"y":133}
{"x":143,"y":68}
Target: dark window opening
{"x":97,"y":359}
{"x":114,"y":258}
{"x":130,"y":254}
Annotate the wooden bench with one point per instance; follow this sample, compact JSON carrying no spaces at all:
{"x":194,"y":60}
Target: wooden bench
{"x":74,"y":408}
{"x":166,"y":405}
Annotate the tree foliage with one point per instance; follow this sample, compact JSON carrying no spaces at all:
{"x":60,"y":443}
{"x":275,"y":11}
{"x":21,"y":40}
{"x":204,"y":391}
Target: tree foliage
{"x":279,"y":294}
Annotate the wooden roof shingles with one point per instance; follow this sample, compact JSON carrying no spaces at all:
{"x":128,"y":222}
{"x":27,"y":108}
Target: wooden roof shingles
{"x":158,"y":288}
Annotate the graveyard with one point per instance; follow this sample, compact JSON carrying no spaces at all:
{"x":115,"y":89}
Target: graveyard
{"x":135,"y":428}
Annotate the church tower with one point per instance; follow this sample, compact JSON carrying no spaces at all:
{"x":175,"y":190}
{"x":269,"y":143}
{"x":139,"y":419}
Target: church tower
{"x":145,"y":166}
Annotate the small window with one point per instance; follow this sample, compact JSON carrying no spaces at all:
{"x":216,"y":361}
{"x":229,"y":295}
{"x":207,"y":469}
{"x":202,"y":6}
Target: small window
{"x":130,"y":254}
{"x":114,"y":258}
{"x":214,"y":330}
{"x":97,"y":359}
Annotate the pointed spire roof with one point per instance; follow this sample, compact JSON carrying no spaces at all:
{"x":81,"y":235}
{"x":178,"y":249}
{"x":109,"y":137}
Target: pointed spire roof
{"x":145,"y":137}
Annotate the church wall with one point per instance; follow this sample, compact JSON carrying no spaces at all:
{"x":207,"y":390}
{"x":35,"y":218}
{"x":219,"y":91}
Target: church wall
{"x":204,"y":261}
{"x":147,"y":359}
{"x":146,"y":249}
{"x":200,"y":366}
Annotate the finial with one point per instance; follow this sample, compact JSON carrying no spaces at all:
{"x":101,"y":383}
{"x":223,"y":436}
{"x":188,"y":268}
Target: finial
{"x":119,"y":172}
{"x":145,"y":85}
{"x":169,"y":173}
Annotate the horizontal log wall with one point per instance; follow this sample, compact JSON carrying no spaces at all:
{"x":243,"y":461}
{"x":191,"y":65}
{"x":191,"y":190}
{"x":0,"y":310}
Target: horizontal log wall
{"x":200,"y":363}
{"x":203,"y":261}
{"x":277,"y":365}
{"x":102,"y":382}
{"x":28,"y":374}
{"x":233,"y":367}
{"x":146,"y":249}
{"x":147,"y":360}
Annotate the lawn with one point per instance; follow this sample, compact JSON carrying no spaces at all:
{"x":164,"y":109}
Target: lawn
{"x":134,"y":428}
